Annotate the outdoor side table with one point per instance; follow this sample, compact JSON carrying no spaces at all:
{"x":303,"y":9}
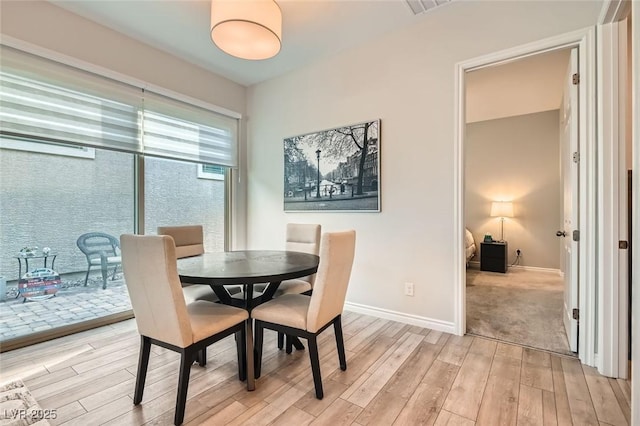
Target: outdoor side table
{"x":26,"y":259}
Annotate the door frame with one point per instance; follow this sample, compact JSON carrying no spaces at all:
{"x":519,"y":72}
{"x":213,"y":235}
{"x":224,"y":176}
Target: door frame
{"x":584,"y":40}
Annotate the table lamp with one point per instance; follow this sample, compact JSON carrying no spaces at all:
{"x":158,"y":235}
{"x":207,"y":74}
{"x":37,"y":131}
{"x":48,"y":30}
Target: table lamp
{"x":501,"y":209}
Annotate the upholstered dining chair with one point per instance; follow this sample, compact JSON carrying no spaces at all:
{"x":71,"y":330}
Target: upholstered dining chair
{"x":165,"y":319}
{"x":303,"y":237}
{"x":306,"y":317}
{"x":189,"y":240}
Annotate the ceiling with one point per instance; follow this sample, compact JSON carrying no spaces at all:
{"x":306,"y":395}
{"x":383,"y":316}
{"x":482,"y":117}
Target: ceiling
{"x":524,"y":86}
{"x":311,"y":30}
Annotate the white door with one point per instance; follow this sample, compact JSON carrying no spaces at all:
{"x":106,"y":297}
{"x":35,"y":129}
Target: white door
{"x":570,"y":159}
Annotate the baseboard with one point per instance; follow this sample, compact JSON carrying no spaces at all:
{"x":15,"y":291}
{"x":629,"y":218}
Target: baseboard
{"x":433,"y":324}
{"x":474,"y":264}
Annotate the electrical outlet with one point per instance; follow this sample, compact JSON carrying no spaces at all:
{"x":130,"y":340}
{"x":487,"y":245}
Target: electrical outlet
{"x":408,"y":289}
{"x":518,"y":252}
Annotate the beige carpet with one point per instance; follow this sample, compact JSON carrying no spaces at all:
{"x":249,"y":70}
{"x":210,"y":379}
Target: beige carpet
{"x":18,"y":407}
{"x":521,"y":306}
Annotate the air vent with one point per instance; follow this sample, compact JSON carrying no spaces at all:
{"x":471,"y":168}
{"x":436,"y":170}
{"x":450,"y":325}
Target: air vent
{"x":421,"y":6}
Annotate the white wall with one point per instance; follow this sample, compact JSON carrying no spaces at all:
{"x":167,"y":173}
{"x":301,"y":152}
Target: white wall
{"x":407,"y":80}
{"x":516,"y":159}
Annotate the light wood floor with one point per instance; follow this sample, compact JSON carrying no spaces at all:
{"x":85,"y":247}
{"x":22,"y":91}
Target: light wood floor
{"x":397,"y":374}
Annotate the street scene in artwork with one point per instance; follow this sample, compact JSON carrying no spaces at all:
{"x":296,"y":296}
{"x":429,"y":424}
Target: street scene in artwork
{"x":336,"y":169}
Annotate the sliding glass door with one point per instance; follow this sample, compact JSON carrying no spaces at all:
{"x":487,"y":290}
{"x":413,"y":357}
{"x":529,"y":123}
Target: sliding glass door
{"x":181,"y":193}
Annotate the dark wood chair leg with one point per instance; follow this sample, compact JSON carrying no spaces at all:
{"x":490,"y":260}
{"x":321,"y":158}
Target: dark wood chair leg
{"x":337,"y":327}
{"x":297,"y":343}
{"x":315,"y":366}
{"x":289,"y":343}
{"x":201,"y":357}
{"x":143,"y":363}
{"x":280,"y":340}
{"x":242,"y":356}
{"x":186,"y":359}
{"x":257,"y":344}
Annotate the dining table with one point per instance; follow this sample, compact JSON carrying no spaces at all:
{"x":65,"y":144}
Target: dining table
{"x":246,"y":268}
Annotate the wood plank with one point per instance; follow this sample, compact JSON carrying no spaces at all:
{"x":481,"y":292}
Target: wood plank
{"x":466,"y":393}
{"x":606,"y":403}
{"x":483,"y":347}
{"x":103,"y":414}
{"x":224,"y":413}
{"x":500,"y":402}
{"x":368,"y":390}
{"x":293,"y":416}
{"x":550,"y":416}
{"x":530,"y":410}
{"x":582,"y":411}
{"x":536,"y":370}
{"x":447,"y":418}
{"x":622,"y":400}
{"x":563,"y":410}
{"x":509,"y":351}
{"x":427,"y":400}
{"x":340,"y":412}
{"x":453,"y":352}
{"x":312,"y":405}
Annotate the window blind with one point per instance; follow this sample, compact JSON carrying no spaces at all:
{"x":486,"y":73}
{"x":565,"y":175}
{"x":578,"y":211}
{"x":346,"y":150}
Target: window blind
{"x":48,"y":101}
{"x":175,"y":129}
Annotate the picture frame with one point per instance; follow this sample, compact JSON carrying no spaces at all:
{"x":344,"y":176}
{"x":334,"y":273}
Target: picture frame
{"x":333,"y":170}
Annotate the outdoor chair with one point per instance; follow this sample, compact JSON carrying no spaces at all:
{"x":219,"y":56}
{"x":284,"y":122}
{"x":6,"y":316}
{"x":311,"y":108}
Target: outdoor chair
{"x":102,"y":250}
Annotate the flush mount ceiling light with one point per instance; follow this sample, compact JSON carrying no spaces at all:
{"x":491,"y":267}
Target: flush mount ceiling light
{"x":247,"y":29}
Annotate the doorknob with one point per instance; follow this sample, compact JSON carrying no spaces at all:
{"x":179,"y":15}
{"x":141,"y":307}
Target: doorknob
{"x":561,"y":234}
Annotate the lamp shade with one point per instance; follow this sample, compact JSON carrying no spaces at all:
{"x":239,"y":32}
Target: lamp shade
{"x":502,"y":209}
{"x":247,"y":29}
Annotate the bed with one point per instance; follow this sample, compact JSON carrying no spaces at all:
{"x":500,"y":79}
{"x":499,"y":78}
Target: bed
{"x":469,"y":245}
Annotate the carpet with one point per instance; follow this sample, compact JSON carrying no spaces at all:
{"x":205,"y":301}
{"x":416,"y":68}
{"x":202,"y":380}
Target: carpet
{"x":521,"y":306}
{"x":18,"y":407}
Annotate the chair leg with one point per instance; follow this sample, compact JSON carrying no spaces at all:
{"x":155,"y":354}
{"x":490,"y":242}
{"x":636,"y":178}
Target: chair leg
{"x":257,"y":344}
{"x":186,"y":360}
{"x":86,"y":277}
{"x":280,"y":340}
{"x":337,"y":327}
{"x":315,"y":366}
{"x":104,"y":277}
{"x":113,"y":277}
{"x":242,"y":355}
{"x":289,"y":343}
{"x":201,"y":357}
{"x":143,"y":363}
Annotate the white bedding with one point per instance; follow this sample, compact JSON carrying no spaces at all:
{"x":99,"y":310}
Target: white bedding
{"x":469,"y":245}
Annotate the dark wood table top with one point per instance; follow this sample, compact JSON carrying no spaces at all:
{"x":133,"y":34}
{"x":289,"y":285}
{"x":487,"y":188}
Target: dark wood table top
{"x":246,"y":267}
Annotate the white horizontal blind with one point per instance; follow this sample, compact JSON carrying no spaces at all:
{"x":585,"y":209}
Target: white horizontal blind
{"x":175,"y":129}
{"x":45,"y":100}
{"x":48,"y":101}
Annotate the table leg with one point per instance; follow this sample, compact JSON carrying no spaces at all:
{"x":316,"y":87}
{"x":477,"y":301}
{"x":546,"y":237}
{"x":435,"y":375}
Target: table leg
{"x":251,"y":377}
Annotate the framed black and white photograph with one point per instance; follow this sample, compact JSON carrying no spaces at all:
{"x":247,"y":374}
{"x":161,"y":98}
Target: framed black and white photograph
{"x":333,"y":170}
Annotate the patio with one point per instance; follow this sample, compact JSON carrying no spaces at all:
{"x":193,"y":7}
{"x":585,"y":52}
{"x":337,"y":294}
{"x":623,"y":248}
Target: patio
{"x":72,"y":304}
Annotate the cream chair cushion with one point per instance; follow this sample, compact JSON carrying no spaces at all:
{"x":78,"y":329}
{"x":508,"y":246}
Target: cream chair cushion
{"x":151,"y":276}
{"x":329,"y":292}
{"x":189,"y":239}
{"x":305,"y":238}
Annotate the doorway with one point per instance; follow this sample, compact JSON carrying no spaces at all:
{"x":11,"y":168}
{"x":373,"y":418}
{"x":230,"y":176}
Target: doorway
{"x":515,"y":126}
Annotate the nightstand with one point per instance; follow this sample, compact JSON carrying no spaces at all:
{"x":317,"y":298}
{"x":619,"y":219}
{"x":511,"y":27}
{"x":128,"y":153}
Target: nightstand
{"x":493,"y":256}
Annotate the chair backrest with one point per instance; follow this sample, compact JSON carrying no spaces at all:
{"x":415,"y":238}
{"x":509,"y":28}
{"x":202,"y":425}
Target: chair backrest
{"x":189,"y":239}
{"x":304,"y":237}
{"x":151,"y":275}
{"x":94,"y":243}
{"x":337,"y":250}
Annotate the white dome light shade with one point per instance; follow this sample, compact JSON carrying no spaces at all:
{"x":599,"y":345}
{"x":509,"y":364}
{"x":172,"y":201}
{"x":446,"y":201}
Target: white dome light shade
{"x":247,"y":29}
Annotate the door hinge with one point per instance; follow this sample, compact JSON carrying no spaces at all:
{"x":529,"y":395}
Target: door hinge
{"x":623,"y":245}
{"x":576,"y":235}
{"x":576,"y":314}
{"x":576,"y":157}
{"x":576,"y":78}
